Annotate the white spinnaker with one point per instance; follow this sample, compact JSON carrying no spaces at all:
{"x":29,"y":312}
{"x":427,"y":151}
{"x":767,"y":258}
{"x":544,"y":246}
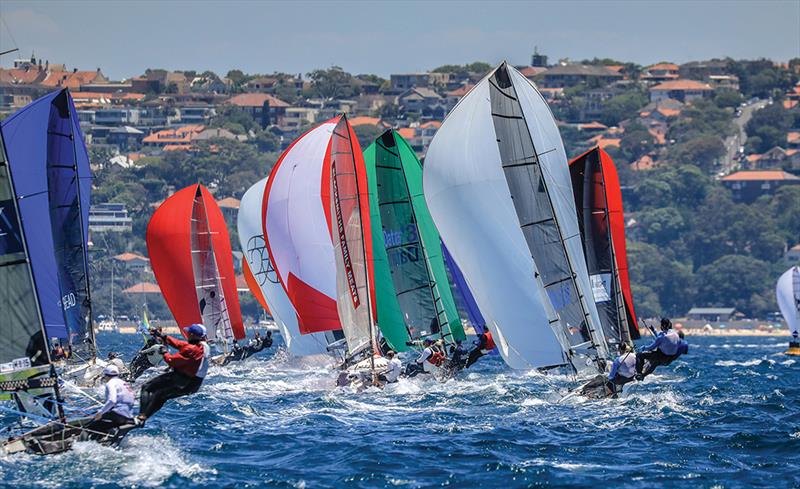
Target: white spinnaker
{"x":251,"y":238}
{"x":295,"y":222}
{"x":788,"y":294}
{"x":555,"y":168}
{"x":469,"y":200}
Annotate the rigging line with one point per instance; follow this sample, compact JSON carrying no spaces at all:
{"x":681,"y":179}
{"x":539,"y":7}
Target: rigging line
{"x":8,"y":29}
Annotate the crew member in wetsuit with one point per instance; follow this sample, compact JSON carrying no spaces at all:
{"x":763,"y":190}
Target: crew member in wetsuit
{"x":458,"y":356}
{"x":149,"y":356}
{"x":659,"y":352}
{"x":37,"y":349}
{"x":418,"y":366}
{"x":189,"y":368}
{"x":623,"y":370}
{"x":483,"y":345}
{"x":118,"y":408}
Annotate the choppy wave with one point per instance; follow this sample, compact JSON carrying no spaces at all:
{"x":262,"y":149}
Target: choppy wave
{"x":721,"y":416}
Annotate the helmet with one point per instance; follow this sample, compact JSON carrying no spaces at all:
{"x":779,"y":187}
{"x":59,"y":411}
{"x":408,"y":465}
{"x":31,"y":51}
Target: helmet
{"x":197,"y":330}
{"x":666,"y":323}
{"x":111,"y":371}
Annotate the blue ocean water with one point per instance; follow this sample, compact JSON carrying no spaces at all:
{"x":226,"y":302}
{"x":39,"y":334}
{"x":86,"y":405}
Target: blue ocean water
{"x":724,"y":416}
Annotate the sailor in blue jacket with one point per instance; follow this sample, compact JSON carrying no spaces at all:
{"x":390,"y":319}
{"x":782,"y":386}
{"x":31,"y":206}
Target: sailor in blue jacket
{"x":662,"y":351}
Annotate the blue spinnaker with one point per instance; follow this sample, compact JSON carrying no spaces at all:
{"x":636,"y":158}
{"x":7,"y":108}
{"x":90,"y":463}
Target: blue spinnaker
{"x":50,"y":168}
{"x":464,"y":295}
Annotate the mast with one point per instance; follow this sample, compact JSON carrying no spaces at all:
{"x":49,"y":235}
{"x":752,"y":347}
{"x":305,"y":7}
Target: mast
{"x":84,"y":238}
{"x":372,"y":339}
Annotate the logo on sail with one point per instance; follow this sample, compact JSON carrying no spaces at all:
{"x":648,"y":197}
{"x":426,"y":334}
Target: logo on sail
{"x":348,"y":266}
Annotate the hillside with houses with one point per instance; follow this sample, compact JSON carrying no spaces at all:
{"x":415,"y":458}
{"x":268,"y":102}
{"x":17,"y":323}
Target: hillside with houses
{"x":708,"y":154}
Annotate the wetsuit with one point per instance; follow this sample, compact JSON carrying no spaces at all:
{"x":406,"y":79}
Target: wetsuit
{"x":118,"y":409}
{"x":37,"y":349}
{"x":189,"y":368}
{"x":484,"y":346}
{"x":659,"y":352}
{"x":458,"y":357}
{"x":239,"y":353}
{"x":149,"y":356}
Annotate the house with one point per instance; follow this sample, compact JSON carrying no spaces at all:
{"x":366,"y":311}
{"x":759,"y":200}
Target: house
{"x":199,"y":114}
{"x":660,"y":72}
{"x":680,"y":90}
{"x":117,"y":116}
{"x":161,"y":81}
{"x":569,"y":75}
{"x":181,"y":136}
{"x":747,"y":186}
{"x":229,"y":207}
{"x":531,"y":72}
{"x":73,"y":79}
{"x":125,"y":137}
{"x":109,"y":217}
{"x":661,"y":111}
{"x":296,"y":117}
{"x":265,"y":108}
{"x":422,"y":101}
{"x":452,"y":97}
{"x":144,"y":288}
{"x":217,"y":133}
{"x":133,"y":262}
{"x":368,"y":121}
{"x":724,"y":83}
{"x":715,"y":314}
{"x":404,"y":81}
{"x":702,"y":70}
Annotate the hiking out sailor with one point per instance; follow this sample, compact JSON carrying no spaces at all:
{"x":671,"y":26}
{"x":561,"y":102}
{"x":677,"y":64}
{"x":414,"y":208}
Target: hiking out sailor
{"x":58,"y":353}
{"x":660,"y":352}
{"x":393,"y":370}
{"x":683,"y":348}
{"x":458,"y":355}
{"x":149,"y":356}
{"x":118,"y":408}
{"x":188,"y":369}
{"x":623,"y":370}
{"x":483,"y":345}
{"x":422,"y":364}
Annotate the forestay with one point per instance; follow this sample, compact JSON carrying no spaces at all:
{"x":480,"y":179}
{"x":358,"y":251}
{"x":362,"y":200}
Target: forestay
{"x":251,"y":238}
{"x":498,"y":188}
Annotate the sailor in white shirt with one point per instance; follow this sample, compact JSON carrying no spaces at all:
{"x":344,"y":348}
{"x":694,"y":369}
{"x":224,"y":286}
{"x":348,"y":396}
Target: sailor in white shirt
{"x":393,"y":370}
{"x":118,"y":408}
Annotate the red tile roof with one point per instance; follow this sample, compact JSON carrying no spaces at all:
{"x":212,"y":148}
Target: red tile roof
{"x":460,"y":91}
{"x":366,"y":121}
{"x":594,"y":125}
{"x":757,"y":175}
{"x":256,"y":100}
{"x":143,"y":288}
{"x":429,"y":124}
{"x":663,"y":67}
{"x":229,"y":203}
{"x":180,"y":135}
{"x":407,"y":133}
{"x":681,"y":85}
{"x":129,"y":257}
{"x":70,"y":79}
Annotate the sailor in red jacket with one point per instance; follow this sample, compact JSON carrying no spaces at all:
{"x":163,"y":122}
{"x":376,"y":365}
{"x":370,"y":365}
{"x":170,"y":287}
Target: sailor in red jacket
{"x":484,"y":345}
{"x":188,"y":369}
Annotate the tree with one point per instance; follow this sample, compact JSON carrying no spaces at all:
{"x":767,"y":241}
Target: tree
{"x":333,"y":83}
{"x":733,"y":280}
{"x":728,"y":99}
{"x":661,"y":226}
{"x":636,"y":141}
{"x":622,"y":107}
{"x":770,"y":125}
{"x":367,"y":133}
{"x":702,"y":151}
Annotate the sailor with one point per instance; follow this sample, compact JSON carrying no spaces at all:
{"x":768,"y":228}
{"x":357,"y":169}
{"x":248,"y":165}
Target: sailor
{"x":623,"y":370}
{"x":458,"y":355}
{"x":188,"y":369}
{"x":419,"y":365}
{"x":114,"y":359}
{"x":149,"y":356}
{"x":483,"y":345}
{"x":393,"y":370}
{"x":58,"y":353}
{"x":683,"y":348}
{"x":118,"y":408}
{"x":659,"y":352}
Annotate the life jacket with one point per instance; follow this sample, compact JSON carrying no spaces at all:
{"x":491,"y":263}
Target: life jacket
{"x":489,"y":341}
{"x":437,"y":358}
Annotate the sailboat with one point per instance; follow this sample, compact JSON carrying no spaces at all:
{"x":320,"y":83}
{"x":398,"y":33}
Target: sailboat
{"x":598,"y":201}
{"x":263,"y":281}
{"x":44,"y":286}
{"x":414,"y":299}
{"x":497,"y":185}
{"x":317,"y":229}
{"x":190,"y":253}
{"x":788,"y":294}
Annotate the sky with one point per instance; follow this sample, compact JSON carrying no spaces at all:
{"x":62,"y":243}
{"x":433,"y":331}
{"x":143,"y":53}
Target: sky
{"x":125,"y":38}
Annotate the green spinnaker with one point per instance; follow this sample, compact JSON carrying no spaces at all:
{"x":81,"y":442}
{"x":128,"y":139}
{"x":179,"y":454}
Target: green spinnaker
{"x":411,"y":287}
